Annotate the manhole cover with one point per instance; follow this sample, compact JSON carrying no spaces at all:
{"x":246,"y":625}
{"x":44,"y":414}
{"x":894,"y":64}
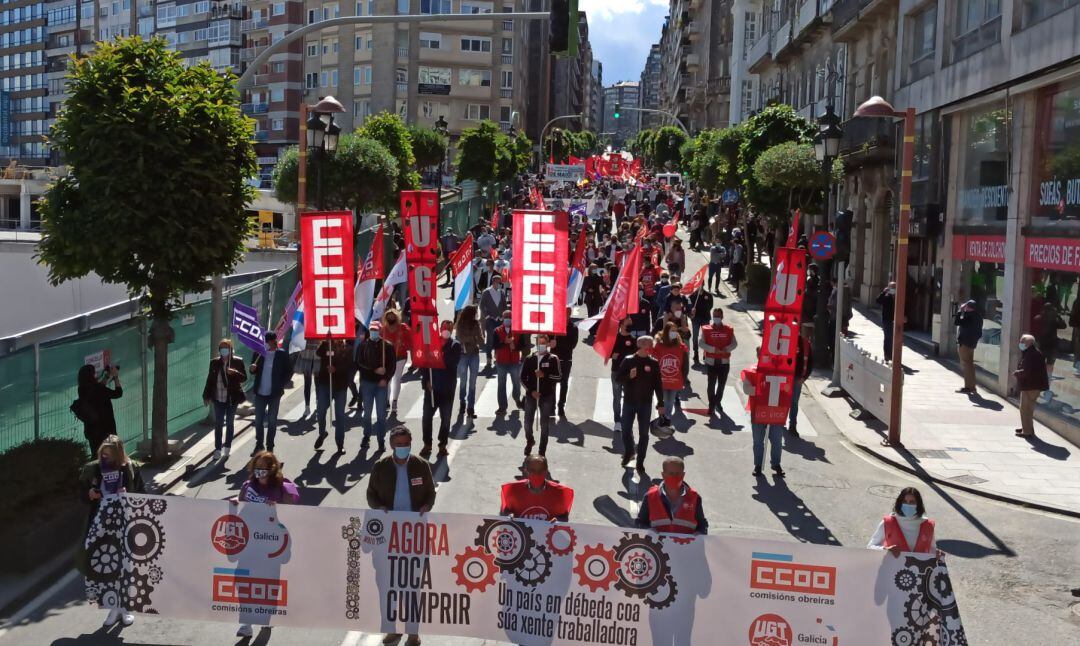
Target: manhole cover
{"x":888,"y":492}
{"x":968,"y":479}
{"x":931,"y":454}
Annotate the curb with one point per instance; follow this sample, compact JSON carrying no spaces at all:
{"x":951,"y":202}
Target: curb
{"x":926,"y":476}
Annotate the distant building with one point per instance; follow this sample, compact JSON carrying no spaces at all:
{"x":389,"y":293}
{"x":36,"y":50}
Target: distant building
{"x":650,"y":89}
{"x":626,"y":94}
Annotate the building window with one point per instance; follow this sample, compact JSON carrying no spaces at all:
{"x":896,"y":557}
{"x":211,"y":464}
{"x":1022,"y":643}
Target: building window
{"x":476,"y":44}
{"x":277,"y":95}
{"x":504,"y":113}
{"x":984,"y":168}
{"x":311,"y":80}
{"x":507,"y":80}
{"x":473,"y":7}
{"x":279,"y":9}
{"x":403,"y":7}
{"x":312,"y":49}
{"x":474,"y":78}
{"x":277,"y":124}
{"x":1037,"y":10}
{"x":331,"y":11}
{"x":429,"y":40}
{"x":203,"y":6}
{"x":435,"y":6}
{"x":508,"y":46}
{"x":922,"y":45}
{"x":312,"y":15}
{"x":477,"y":112}
{"x":978,"y":26}
{"x":362,"y":109}
{"x":361,"y":75}
{"x":508,"y":25}
{"x":324,"y":78}
{"x":750,"y":31}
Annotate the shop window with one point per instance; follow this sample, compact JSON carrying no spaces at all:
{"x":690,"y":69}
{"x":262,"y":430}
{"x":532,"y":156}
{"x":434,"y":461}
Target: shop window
{"x":983,"y":196}
{"x":1057,"y":159}
{"x":1053,"y":318}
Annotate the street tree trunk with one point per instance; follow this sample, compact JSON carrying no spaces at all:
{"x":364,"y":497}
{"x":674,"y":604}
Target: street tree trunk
{"x":161,"y":335}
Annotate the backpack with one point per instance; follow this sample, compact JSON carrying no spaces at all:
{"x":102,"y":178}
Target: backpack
{"x":83,"y":411}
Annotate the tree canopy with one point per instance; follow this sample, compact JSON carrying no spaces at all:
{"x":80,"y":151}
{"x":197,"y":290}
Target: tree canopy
{"x":388,"y":129}
{"x":361,"y":175}
{"x":774,"y":125}
{"x":487,"y":154}
{"x":794,"y":168}
{"x":428,"y":146}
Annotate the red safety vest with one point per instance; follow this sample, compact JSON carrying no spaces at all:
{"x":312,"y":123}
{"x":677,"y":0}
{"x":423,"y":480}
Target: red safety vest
{"x":894,"y":537}
{"x":685,"y":517}
{"x":717,"y":337}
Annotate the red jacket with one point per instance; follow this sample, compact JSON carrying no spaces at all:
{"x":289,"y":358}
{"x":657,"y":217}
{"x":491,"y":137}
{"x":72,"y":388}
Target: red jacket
{"x":401,"y":339}
{"x":508,"y":346}
{"x":682,"y":521}
{"x":714,"y":340}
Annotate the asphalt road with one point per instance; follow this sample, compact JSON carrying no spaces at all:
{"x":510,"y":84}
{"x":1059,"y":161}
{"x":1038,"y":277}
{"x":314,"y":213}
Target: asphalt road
{"x":1013,"y":569}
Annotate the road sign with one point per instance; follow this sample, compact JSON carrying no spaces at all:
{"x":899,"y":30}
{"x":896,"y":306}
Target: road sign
{"x":822,"y":246}
{"x":730,"y":196}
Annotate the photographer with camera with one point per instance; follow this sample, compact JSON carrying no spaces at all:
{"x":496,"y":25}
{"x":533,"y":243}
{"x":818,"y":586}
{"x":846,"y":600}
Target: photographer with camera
{"x":94,"y":405}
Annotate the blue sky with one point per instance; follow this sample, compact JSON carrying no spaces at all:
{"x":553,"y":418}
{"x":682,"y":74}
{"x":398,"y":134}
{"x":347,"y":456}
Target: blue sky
{"x":621,"y":33}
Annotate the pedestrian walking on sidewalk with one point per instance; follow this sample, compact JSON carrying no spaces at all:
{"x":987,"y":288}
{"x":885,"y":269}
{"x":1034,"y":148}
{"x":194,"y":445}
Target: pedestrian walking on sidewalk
{"x":540,"y":372}
{"x":775,"y":432}
{"x":906,"y":528}
{"x":639,"y":375}
{"x":887,"y":300}
{"x":717,"y":259}
{"x":1031,"y":380}
{"x":271,"y":373}
{"x":471,"y":337}
{"x":224,"y":390}
{"x":969,"y":325}
{"x":376,"y":362}
{"x":401,"y":482}
{"x":672,"y":507}
{"x":332,"y":384}
{"x":94,"y":406}
{"x":537,"y":496}
{"x":439,"y":386}
{"x":717,"y":341}
{"x":111,"y":474}
{"x":804,"y":366}
{"x":671,"y":353}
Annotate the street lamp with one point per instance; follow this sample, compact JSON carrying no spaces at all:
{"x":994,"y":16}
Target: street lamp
{"x":826,"y":148}
{"x":321,"y":137}
{"x":442,"y":127}
{"x":878,"y":107}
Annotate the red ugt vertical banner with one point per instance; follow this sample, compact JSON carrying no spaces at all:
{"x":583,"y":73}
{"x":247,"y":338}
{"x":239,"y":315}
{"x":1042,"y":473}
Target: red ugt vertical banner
{"x":326,"y":248}
{"x":420,"y":224}
{"x":540,"y":271}
{"x":775,"y":372}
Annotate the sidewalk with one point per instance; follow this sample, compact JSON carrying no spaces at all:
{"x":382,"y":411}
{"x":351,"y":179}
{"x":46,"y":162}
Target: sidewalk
{"x":950,"y":438}
{"x":961,"y":440}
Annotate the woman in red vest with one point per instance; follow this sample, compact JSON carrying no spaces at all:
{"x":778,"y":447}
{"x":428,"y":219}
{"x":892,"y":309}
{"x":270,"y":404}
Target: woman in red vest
{"x":906,"y":529}
{"x":671,"y":353}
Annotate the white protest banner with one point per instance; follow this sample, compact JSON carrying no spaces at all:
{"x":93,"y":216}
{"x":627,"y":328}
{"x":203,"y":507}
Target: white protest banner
{"x":525,"y":582}
{"x":565,"y":172}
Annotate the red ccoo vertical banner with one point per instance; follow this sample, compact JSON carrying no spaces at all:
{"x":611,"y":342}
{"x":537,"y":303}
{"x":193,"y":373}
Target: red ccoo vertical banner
{"x":540,"y":271}
{"x":420,"y":224}
{"x":326,"y":247}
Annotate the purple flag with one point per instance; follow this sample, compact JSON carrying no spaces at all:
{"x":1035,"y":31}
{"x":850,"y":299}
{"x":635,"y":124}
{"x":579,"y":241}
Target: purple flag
{"x":245,"y":324}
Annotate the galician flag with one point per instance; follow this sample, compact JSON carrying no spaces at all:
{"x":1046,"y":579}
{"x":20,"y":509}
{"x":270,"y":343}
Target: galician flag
{"x":577,"y":270}
{"x":298,"y":342}
{"x":371,"y":271}
{"x":398,"y":275}
{"x":461,"y":264}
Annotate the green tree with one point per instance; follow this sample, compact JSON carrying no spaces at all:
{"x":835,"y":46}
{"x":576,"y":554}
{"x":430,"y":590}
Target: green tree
{"x":714,"y":158}
{"x":774,"y":125}
{"x":793,"y":169}
{"x":666,"y":144}
{"x":484,"y":154}
{"x":586,"y":143}
{"x":389,"y":130}
{"x":159,"y":161}
{"x":361,"y":175}
{"x":559,"y":145}
{"x":428,"y":146}
{"x":522,"y":151}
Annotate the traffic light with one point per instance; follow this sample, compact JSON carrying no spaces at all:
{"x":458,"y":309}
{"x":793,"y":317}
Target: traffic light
{"x":618,"y":109}
{"x":843,"y":234}
{"x":563,"y":29}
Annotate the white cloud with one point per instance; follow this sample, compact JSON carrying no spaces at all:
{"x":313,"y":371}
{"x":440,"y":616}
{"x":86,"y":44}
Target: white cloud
{"x":607,"y":9}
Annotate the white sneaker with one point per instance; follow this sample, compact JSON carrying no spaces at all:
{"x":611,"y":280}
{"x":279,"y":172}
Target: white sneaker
{"x":225,"y":452}
{"x":111,"y":618}
{"x":618,"y":427}
{"x":127,"y":618}
{"x":217,"y":455}
{"x":244,"y":630}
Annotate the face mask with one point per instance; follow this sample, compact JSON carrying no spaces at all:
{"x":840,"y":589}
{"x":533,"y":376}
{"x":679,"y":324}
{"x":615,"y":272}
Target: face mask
{"x":261,"y":473}
{"x":374,"y":335}
{"x":717,"y":321}
{"x":105,"y":462}
{"x":1023,"y":346}
{"x":446,"y":334}
{"x":507,"y":323}
{"x":224,"y":352}
{"x":677,"y":314}
{"x":402,"y":452}
{"x":892,"y":292}
{"x":673,"y":482}
{"x":536,"y":480}
{"x":541,"y":349}
{"x":672,"y":335}
{"x":908,"y":510}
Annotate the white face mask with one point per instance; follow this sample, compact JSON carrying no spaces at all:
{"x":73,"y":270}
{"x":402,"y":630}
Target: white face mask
{"x":541,"y":349}
{"x":261,"y":473}
{"x":677,"y":314}
{"x":717,"y":321}
{"x":673,"y":335}
{"x":446,"y":334}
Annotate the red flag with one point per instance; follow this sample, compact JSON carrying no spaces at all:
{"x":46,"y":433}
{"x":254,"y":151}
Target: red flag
{"x":793,"y":234}
{"x":697,"y":280}
{"x":578,"y":260}
{"x":373,"y":262}
{"x":495,"y":218}
{"x":494,"y":253}
{"x":540,"y":271}
{"x":618,"y":304}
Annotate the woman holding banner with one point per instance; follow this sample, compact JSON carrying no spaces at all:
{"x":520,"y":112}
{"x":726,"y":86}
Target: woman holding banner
{"x":906,"y":529}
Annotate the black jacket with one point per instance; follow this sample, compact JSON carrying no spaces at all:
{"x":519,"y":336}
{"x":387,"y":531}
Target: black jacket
{"x":565,"y":344}
{"x":969,"y":327}
{"x":383,"y":480}
{"x":236,"y":377}
{"x":887,"y":302}
{"x":625,"y":345}
{"x":701,"y":307}
{"x":375,"y":354}
{"x":645,"y":384}
{"x":550,"y":365}
{"x":343,"y":367}
{"x":1031,"y":372}
{"x":101,"y":423}
{"x":443,"y":380}
{"x":280,"y":376}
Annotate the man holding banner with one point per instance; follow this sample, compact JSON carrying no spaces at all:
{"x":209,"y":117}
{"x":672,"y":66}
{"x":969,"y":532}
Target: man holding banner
{"x":271,"y":371}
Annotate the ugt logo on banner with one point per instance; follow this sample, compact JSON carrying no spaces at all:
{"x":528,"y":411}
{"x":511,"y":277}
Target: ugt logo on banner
{"x":326,"y":247}
{"x":774,"y":376}
{"x":540,"y":271}
{"x":420,"y":217}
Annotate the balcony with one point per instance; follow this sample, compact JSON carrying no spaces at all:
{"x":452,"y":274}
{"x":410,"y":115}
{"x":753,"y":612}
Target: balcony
{"x":402,"y":88}
{"x":693,"y":62}
{"x":695,"y":31}
{"x":403,"y":52}
{"x":867,"y":140}
{"x":257,"y":23}
{"x":808,"y":16}
{"x":505,"y":93}
{"x":781,"y":39}
{"x":760,"y":53}
{"x":249,"y":53}
{"x":255,"y":108}
{"x":262,"y":135}
{"x":221,"y":12}
{"x":851,"y":17}
{"x":507,"y":59}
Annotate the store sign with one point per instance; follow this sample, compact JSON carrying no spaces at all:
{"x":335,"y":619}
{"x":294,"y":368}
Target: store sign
{"x":565,"y":172}
{"x":1059,"y":254}
{"x":981,"y":248}
{"x":433,"y":80}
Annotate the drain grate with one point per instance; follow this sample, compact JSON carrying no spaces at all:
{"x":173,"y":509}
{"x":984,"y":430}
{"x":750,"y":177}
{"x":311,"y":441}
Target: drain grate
{"x":968,"y":479}
{"x":933,"y":454}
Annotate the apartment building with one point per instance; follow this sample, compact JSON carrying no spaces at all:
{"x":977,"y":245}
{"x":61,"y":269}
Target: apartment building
{"x":746,"y":24}
{"x":624,"y":93}
{"x":695,"y":48}
{"x":650,"y":88}
{"x":571,"y":76}
{"x":594,"y":104}
{"x":22,"y":81}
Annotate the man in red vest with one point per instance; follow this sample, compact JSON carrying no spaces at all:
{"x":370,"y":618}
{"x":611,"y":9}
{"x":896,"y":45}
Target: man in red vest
{"x":673,"y":507}
{"x":537,"y":496}
{"x":717,"y":340}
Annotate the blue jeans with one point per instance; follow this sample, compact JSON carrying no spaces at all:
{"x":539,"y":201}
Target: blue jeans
{"x":642,"y":412}
{"x":224,"y":413}
{"x":467,"y":370}
{"x":322,"y":403}
{"x":490,"y":325}
{"x":375,"y":399}
{"x":776,"y":445}
{"x":796,"y":392}
{"x":616,"y":399}
{"x":670,"y":397}
{"x":514,"y":370}
{"x":266,"y":411}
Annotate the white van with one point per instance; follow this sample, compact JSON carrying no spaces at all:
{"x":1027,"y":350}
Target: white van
{"x":671,"y":179}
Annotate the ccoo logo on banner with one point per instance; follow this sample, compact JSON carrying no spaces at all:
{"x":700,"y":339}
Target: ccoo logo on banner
{"x":326,"y":247}
{"x":420,"y":216}
{"x":540,"y":271}
{"x":521,"y":581}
